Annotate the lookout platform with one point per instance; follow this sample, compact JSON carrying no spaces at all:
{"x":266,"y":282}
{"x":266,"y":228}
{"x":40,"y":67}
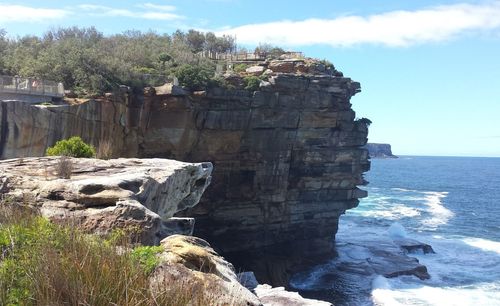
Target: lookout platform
{"x":31,"y":90}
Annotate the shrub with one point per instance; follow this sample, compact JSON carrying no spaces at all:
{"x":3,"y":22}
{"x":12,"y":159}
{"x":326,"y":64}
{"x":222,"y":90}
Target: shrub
{"x":74,"y":147}
{"x":147,"y":256}
{"x":164,"y":57}
{"x":238,"y":68}
{"x":327,"y":63}
{"x":252,"y":83}
{"x":194,"y":77}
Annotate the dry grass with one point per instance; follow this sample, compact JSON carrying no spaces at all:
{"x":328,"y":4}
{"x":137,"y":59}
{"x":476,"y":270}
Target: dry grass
{"x":64,"y":167}
{"x":42,"y":263}
{"x":104,"y":150}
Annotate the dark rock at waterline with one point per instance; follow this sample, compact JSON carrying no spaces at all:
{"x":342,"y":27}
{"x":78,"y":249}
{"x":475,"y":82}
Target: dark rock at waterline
{"x":380,"y":257}
{"x":413,"y":246}
{"x":393,"y":264}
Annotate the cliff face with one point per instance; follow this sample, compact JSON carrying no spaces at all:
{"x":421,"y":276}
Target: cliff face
{"x":287,"y":158}
{"x":380,"y":150}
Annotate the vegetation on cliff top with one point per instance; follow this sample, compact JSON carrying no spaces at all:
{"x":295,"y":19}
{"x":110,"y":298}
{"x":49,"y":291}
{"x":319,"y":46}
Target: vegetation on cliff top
{"x":42,"y":263}
{"x":90,"y":63}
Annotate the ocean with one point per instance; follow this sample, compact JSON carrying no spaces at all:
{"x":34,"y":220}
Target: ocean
{"x":450,"y":203}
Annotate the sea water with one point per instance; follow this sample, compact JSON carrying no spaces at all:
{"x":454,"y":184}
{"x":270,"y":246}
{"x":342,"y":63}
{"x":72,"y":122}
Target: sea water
{"x":451,"y":203}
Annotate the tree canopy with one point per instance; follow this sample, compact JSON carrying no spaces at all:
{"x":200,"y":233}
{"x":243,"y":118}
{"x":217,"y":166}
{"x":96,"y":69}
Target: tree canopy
{"x":90,"y":63}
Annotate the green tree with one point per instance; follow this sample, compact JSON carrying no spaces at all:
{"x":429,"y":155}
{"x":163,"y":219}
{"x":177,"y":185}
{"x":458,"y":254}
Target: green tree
{"x":195,"y":40}
{"x":90,"y":63}
{"x":3,"y":50}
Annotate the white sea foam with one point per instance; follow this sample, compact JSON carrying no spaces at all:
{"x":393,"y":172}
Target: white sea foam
{"x":390,"y":211}
{"x":382,"y":293}
{"x":404,"y":190}
{"x":397,"y":231}
{"x":449,"y":296}
{"x":483,"y":244}
{"x":439,"y":214}
{"x":464,"y":272}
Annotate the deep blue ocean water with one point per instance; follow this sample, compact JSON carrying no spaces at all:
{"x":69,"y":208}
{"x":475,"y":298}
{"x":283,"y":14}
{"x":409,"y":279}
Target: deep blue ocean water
{"x":451,"y":203}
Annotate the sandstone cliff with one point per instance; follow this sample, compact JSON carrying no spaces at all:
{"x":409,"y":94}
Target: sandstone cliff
{"x":287,"y":158}
{"x":104,"y":195}
{"x":380,"y":150}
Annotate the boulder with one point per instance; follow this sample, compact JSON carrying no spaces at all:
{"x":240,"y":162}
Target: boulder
{"x":102,"y":195}
{"x":278,"y":296}
{"x":283,"y":66}
{"x":170,"y":89}
{"x":199,"y":265}
{"x":255,"y":70}
{"x":413,"y":246}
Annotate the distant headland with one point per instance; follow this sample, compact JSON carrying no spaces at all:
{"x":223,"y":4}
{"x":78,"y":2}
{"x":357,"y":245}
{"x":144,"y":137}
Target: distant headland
{"x":380,"y":150}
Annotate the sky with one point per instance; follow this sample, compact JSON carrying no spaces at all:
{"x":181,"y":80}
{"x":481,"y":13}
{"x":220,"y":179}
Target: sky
{"x":429,"y":70}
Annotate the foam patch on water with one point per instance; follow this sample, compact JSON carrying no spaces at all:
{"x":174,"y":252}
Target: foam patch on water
{"x":426,"y":295}
{"x":391,"y":212}
{"x":404,"y":190}
{"x":484,"y":244}
{"x":439,"y":214}
{"x":382,"y":293}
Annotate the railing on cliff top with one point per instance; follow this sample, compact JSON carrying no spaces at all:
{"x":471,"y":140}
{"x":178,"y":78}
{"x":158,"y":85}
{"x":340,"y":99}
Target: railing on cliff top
{"x":30,"y":86}
{"x":254,"y":56}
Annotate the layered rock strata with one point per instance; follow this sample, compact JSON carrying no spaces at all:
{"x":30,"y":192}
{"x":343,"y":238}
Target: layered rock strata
{"x":288,"y":157}
{"x":104,"y":195}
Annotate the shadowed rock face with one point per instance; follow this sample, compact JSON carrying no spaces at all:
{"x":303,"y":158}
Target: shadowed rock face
{"x":103,"y":195}
{"x":287,"y":158}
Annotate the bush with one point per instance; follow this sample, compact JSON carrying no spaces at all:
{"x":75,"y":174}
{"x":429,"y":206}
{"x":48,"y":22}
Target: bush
{"x":147,"y":256}
{"x":238,"y":68}
{"x":252,"y":83}
{"x":194,"y":77}
{"x":327,"y":63}
{"x":74,"y":147}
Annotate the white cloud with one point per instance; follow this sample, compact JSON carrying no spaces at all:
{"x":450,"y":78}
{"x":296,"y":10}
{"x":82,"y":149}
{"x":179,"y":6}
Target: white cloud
{"x":153,"y":6}
{"x":394,"y":29}
{"x":20,"y":13}
{"x":150,"y":11}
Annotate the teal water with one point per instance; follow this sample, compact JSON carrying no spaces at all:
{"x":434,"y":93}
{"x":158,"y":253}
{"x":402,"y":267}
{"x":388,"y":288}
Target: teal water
{"x":451,"y":203}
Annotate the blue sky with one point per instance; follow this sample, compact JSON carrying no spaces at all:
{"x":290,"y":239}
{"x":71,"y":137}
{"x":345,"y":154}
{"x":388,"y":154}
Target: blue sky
{"x":429,"y":70}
